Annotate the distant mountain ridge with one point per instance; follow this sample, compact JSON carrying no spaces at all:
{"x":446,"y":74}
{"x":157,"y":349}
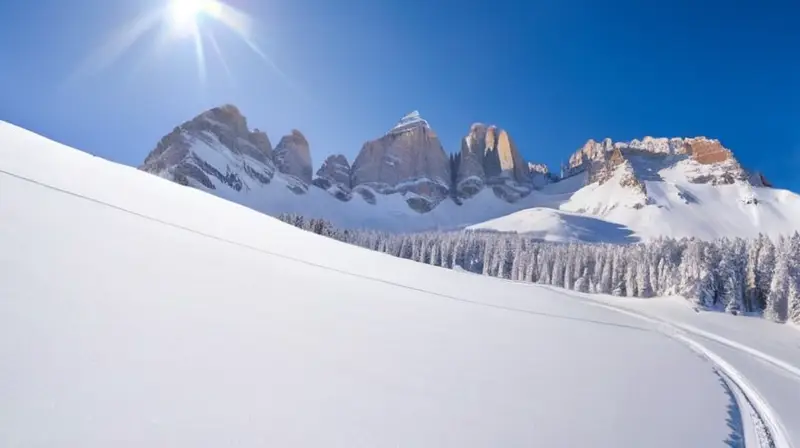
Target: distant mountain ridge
{"x":405,"y":180}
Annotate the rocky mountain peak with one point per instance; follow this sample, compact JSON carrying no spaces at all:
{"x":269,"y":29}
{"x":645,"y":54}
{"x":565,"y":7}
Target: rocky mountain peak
{"x":293,"y":156}
{"x":704,"y":160}
{"x":216,"y":150}
{"x":409,"y":160}
{"x":409,"y":121}
{"x":186,"y":154}
{"x":489,"y":157}
{"x":334,"y":176}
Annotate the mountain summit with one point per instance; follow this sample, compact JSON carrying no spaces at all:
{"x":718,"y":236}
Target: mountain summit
{"x":404,"y":180}
{"x":411,"y":120}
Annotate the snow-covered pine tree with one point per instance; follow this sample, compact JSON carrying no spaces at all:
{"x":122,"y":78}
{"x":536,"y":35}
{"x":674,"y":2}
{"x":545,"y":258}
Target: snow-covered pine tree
{"x":569,"y":266}
{"x":765,"y":268}
{"x":606,"y":276}
{"x":557,"y":276}
{"x":530,"y":263}
{"x":545,"y":264}
{"x":488,"y":255}
{"x":707,"y":287}
{"x":582,"y":283}
{"x":517,"y":258}
{"x":730,"y":274}
{"x":618,"y":274}
{"x":776,"y":308}
{"x":435,"y":247}
{"x":632,"y":259}
{"x":793,"y":298}
{"x":751,"y":274}
{"x":644,"y":267}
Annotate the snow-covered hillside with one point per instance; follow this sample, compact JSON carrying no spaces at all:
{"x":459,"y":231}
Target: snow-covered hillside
{"x":666,"y":205}
{"x":137,"y":312}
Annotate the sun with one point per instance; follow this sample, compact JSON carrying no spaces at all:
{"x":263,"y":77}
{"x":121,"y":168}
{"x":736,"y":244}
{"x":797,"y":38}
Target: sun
{"x":185,"y":13}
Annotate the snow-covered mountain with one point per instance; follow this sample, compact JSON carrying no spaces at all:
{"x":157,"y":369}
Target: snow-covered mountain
{"x":133,"y":314}
{"x":405,"y":181}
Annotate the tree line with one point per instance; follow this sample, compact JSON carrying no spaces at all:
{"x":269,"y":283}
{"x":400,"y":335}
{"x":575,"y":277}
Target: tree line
{"x":729,"y":274}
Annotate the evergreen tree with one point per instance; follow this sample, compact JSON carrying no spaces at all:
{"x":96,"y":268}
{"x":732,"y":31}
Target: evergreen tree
{"x":644,"y":268}
{"x":568,"y":266}
{"x":793,"y":298}
{"x":631,"y":289}
{"x":776,"y":308}
{"x":606,"y":278}
{"x":582,"y":283}
{"x":751,"y":274}
{"x":557,"y":278}
{"x":765,"y":268}
{"x":618,"y":275}
{"x":545,"y":256}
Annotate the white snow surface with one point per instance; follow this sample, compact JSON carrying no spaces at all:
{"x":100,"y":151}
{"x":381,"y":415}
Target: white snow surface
{"x":547,"y":224}
{"x":137,"y":312}
{"x":672,"y":206}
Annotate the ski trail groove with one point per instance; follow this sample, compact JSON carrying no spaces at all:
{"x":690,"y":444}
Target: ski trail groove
{"x":318,"y":265}
{"x":775,"y":434}
{"x":776,"y":437}
{"x":790,"y":369}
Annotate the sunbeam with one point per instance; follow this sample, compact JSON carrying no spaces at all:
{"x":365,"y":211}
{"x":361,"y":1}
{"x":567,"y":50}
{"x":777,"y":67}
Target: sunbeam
{"x":119,"y":43}
{"x":220,"y":56}
{"x":181,"y":19}
{"x":199,"y":54}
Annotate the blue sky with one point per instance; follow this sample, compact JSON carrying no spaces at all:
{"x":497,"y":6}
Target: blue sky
{"x":553,"y":73}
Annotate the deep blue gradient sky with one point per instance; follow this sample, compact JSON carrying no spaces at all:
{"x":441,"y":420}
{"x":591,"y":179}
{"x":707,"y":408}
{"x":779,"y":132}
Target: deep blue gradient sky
{"x":553,"y":73}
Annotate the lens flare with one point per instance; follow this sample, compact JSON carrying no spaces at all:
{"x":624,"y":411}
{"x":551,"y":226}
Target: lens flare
{"x":184,"y":14}
{"x":180,"y":19}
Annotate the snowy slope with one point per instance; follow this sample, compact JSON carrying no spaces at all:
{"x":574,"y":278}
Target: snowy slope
{"x":766,"y":355}
{"x":553,"y":225}
{"x":671,"y":206}
{"x":136,"y":312}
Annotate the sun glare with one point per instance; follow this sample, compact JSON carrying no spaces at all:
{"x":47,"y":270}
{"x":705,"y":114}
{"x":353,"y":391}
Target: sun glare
{"x":185,"y":13}
{"x":179,"y":19}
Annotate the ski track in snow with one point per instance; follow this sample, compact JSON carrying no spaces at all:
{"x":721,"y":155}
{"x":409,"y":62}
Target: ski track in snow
{"x":773,"y":434}
{"x":316,"y":265}
{"x":759,"y":425}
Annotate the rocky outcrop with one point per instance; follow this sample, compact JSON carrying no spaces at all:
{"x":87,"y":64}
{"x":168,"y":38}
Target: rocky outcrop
{"x":489,"y":157}
{"x":334,"y":177}
{"x":409,"y":160}
{"x":503,"y":160}
{"x":710,"y":162}
{"x":182,"y":154}
{"x":471,"y":175}
{"x":707,"y":152}
{"x":217,"y":151}
{"x":293,"y":156}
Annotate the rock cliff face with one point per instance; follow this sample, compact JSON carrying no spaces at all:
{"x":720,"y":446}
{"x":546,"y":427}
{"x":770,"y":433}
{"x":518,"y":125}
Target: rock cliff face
{"x":409,"y":160}
{"x":334,"y":176}
{"x":216,"y":151}
{"x":293,"y":157}
{"x":189,"y":153}
{"x":489,"y":157}
{"x":708,"y":161}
